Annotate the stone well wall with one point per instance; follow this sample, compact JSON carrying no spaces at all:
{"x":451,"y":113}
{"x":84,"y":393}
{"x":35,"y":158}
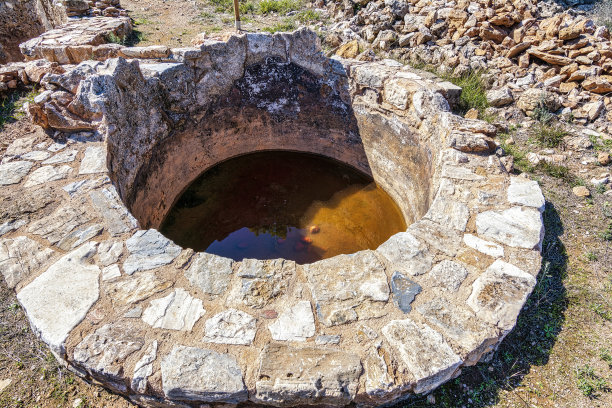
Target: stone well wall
{"x":127,"y":308}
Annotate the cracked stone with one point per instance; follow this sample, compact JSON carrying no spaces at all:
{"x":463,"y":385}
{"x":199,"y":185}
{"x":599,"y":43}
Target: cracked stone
{"x":117,"y":217}
{"x":190,"y":373}
{"x":21,"y":256}
{"x":109,"y":252}
{"x":103,"y":353}
{"x":348,"y":287}
{"x":210,"y":273}
{"x":261,"y":281}
{"x":79,"y":236}
{"x":110,"y":272}
{"x":407,"y":254}
{"x":230,"y":327}
{"x":460,"y":325}
{"x":94,"y":160}
{"x":148,"y":250}
{"x":144,"y":368}
{"x":47,"y":174}
{"x":295,"y":324}
{"x":526,"y":192}
{"x":423,"y":351}
{"x":13,"y":172}
{"x":60,"y":223}
{"x":499,"y":294}
{"x":60,"y":297}
{"x":66,"y":156}
{"x":448,"y":275}
{"x":177,"y":311}
{"x":517,"y":227}
{"x":486,"y":247}
{"x":133,"y":289}
{"x":311,"y":375}
{"x":450,"y":212}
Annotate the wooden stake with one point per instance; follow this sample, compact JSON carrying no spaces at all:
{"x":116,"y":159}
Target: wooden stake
{"x":237,"y":14}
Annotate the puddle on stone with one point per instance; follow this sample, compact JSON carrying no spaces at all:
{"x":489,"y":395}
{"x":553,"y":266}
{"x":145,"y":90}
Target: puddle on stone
{"x":288,"y":205}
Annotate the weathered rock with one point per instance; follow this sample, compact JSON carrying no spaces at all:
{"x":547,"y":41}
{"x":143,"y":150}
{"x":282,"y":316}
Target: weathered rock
{"x":261,"y":281}
{"x":133,"y":289}
{"x":109,"y":252}
{"x":533,"y":97}
{"x":316,"y":376}
{"x":58,"y":300}
{"x":295,"y":324}
{"x":406,"y":253}
{"x":176,"y":311}
{"x":59,"y":223}
{"x":190,"y":373}
{"x":499,"y":294}
{"x":581,"y":191}
{"x":94,"y":160}
{"x":230,"y":327}
{"x":13,"y":172}
{"x":64,"y":156}
{"x":103,"y":353}
{"x":118,"y":221}
{"x":144,"y":368}
{"x":517,"y":227}
{"x":500,"y":97}
{"x":210,"y":273}
{"x":486,"y":247}
{"x":47,"y":174}
{"x":110,"y":272}
{"x":449,"y":212}
{"x":21,"y":256}
{"x":423,"y":351}
{"x":347,"y":287}
{"x":448,"y":275}
{"x":404,"y":291}
{"x":459,"y":325}
{"x":148,"y":250}
{"x":526,"y":192}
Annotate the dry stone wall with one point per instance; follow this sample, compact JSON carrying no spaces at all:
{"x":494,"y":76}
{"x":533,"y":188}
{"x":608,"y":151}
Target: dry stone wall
{"x":127,"y":308}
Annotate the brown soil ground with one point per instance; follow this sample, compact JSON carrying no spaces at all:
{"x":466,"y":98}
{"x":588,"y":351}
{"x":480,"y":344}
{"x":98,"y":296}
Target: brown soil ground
{"x":559,"y":355}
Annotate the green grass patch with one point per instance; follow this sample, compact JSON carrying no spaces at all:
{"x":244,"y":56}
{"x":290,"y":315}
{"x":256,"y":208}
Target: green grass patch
{"x":287,"y":25}
{"x":606,"y":235}
{"x":278,"y":6}
{"x":142,"y":21}
{"x":227,"y":6}
{"x":473,"y":94}
{"x":548,"y":135}
{"x":308,"y":16}
{"x":11,"y":106}
{"x":588,"y":382}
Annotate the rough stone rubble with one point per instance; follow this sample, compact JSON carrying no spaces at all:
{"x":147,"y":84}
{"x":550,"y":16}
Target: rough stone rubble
{"x":532,"y":52}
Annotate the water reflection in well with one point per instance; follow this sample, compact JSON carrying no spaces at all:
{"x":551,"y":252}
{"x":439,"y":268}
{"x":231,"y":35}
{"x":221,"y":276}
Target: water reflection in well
{"x":282,"y":205}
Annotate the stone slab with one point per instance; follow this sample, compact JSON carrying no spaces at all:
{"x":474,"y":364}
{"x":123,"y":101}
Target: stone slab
{"x":56,"y":301}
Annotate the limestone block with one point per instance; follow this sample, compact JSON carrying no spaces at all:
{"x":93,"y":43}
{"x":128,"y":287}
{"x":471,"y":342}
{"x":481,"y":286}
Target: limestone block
{"x":210,"y":273}
{"x":294,"y":324}
{"x":310,"y":375}
{"x":230,"y":327}
{"x":148,"y":250}
{"x":190,"y":373}
{"x":348,"y":287}
{"x":517,"y":227}
{"x":176,"y":311}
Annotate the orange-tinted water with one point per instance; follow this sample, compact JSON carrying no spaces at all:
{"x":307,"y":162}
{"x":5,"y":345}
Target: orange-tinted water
{"x":282,"y":205}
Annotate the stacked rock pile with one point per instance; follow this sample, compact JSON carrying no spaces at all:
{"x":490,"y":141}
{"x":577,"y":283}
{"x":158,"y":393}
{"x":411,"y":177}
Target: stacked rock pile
{"x":520,"y":46}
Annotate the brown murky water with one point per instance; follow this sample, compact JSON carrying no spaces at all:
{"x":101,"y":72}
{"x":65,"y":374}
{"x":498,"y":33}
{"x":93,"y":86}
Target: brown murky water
{"x":288,"y":205}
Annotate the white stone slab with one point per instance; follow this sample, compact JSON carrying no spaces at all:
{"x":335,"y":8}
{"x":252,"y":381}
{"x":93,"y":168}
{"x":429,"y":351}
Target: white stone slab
{"x":176,"y":311}
{"x":295,"y":324}
{"x":59,"y":299}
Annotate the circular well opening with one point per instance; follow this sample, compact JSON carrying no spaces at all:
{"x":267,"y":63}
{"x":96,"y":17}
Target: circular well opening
{"x":281,"y":204}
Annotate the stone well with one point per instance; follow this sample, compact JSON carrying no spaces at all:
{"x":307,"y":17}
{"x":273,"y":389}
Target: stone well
{"x":125,"y":307}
